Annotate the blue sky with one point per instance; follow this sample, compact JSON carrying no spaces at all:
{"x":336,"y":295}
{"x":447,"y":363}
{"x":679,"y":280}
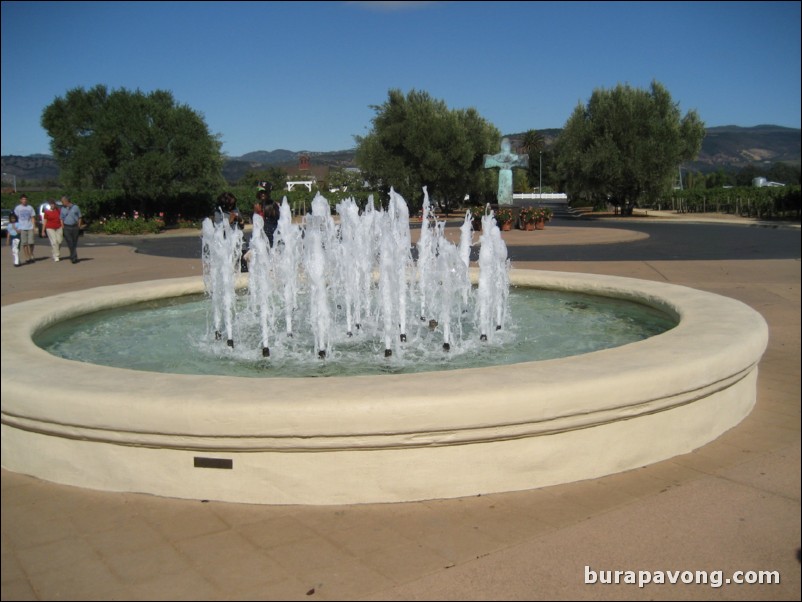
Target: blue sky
{"x":304,"y":75}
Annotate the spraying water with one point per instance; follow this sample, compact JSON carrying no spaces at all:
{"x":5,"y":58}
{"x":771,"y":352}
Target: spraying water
{"x":330,"y":283}
{"x":286,"y":256}
{"x":222,"y":247}
{"x":494,"y":280}
{"x":261,"y":284}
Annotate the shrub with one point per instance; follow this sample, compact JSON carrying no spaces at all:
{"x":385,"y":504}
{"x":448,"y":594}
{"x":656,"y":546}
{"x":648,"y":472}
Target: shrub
{"x":122,"y":225}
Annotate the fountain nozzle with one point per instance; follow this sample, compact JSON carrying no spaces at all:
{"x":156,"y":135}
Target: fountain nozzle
{"x":230,"y":343}
{"x":265,"y":351}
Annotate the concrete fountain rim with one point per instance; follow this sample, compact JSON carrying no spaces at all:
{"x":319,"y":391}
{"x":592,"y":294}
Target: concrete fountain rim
{"x":716,"y":340}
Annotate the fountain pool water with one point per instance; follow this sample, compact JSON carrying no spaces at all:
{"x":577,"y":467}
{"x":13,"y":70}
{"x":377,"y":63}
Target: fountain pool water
{"x":377,"y":438}
{"x":173,"y":336}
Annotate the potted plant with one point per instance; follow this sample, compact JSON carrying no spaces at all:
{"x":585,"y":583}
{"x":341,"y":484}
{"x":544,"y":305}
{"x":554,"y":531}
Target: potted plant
{"x":528,"y":218}
{"x":542,"y":215}
{"x":504,"y":219}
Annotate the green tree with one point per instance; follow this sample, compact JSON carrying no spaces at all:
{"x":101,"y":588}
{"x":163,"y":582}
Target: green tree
{"x":277,"y":176}
{"x":417,"y":141}
{"x":625,"y":146}
{"x":746,"y":174}
{"x":785,"y":173}
{"x":348,"y":180}
{"x":148,"y":146}
{"x":695,"y":180}
{"x":719,"y":179}
{"x":533,"y":144}
{"x":520,"y":181}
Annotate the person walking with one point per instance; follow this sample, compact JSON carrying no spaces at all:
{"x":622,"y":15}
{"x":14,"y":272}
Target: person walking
{"x":71,"y":222}
{"x":12,"y":238}
{"x":26,"y":225}
{"x":53,"y":227}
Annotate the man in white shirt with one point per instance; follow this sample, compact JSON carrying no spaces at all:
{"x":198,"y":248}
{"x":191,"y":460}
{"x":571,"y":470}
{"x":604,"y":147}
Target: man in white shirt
{"x":26,"y":224}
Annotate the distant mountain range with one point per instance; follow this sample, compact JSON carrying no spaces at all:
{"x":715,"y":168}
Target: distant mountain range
{"x":731,"y":147}
{"x":42,"y":168}
{"x":728,"y":147}
{"x":236,"y":167}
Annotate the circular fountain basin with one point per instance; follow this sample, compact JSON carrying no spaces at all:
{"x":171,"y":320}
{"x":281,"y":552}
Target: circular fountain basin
{"x":390,"y":438}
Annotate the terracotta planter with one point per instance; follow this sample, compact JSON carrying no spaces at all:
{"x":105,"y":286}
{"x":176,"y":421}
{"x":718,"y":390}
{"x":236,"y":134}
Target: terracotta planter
{"x":529,"y":226}
{"x":540,"y":224}
{"x":506,"y":226}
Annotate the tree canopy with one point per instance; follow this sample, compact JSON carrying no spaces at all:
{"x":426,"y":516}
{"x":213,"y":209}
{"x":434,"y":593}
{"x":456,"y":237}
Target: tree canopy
{"x":418,"y":141}
{"x":274,"y":174}
{"x":533,"y":144}
{"x":626,"y":145}
{"x":146,"y":145}
{"x":346,"y":180}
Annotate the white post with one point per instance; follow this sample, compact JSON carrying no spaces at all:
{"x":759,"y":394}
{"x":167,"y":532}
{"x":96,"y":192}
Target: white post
{"x":540,"y":170}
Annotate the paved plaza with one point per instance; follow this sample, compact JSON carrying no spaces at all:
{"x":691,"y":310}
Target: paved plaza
{"x":730,"y":509}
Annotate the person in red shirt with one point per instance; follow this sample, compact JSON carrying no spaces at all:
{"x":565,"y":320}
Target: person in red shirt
{"x":54,"y":229}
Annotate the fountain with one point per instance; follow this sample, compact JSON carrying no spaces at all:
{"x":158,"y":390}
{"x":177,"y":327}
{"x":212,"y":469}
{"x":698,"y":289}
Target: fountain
{"x":388,"y":438}
{"x":332,"y":267}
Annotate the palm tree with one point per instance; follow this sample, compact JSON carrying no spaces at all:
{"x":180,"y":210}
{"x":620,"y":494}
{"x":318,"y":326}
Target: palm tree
{"x":533,"y":142}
